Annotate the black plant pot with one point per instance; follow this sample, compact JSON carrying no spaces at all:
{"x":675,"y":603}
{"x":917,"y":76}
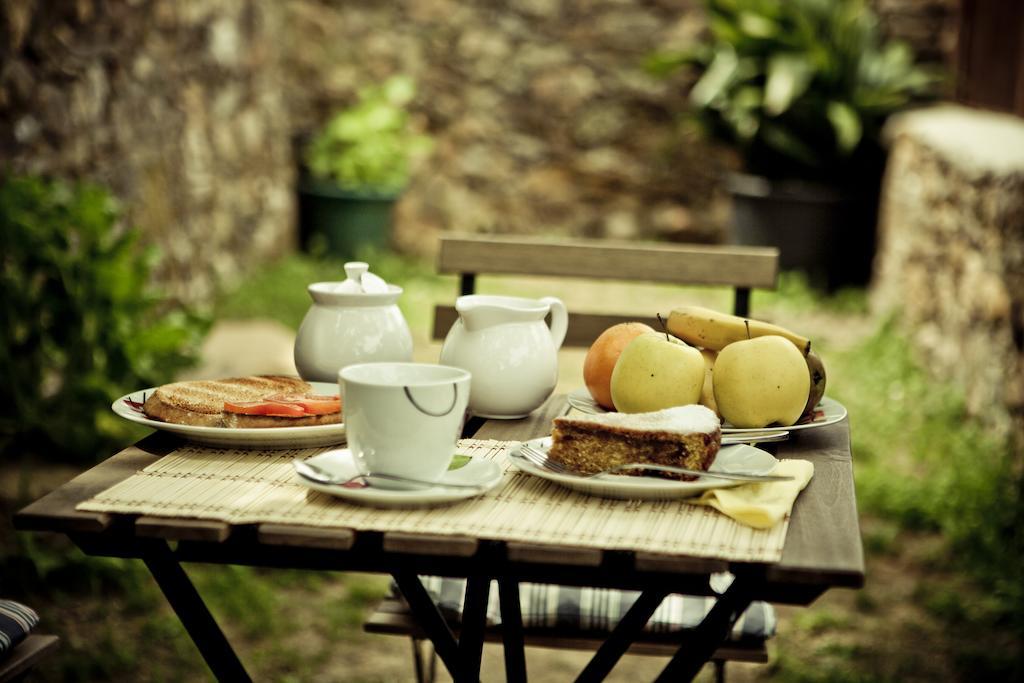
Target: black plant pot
{"x":342,"y":222}
{"x":826,"y":232}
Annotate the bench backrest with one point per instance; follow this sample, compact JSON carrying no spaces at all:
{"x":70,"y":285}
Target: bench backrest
{"x":741,"y":268}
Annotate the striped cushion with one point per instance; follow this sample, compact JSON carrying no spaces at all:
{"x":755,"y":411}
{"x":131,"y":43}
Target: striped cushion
{"x":596,"y":609}
{"x":16,"y":620}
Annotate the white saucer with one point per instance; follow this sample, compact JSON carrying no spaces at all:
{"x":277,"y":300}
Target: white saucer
{"x":740,"y":459}
{"x":485,"y":474}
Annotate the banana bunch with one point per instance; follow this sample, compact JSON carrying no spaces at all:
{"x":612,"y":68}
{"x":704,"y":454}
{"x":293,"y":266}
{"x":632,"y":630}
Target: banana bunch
{"x":712,"y":331}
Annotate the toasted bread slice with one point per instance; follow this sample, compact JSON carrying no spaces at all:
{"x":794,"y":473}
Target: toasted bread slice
{"x":201,"y":402}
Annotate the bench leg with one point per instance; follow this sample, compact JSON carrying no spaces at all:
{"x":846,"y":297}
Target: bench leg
{"x":512,"y":630}
{"x":424,"y":659}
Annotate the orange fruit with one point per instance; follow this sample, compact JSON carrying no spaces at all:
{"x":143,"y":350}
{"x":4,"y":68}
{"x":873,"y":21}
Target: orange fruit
{"x":601,"y":358}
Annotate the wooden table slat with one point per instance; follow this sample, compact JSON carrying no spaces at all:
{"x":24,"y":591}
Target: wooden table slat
{"x":829,"y":502}
{"x":306,"y":536}
{"x":554,"y":554}
{"x":534,"y":425}
{"x":173,"y":529}
{"x":420,"y":544}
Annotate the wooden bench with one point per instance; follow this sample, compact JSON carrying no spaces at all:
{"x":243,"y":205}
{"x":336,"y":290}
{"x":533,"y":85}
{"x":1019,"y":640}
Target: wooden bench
{"x":392,"y":617}
{"x":20,"y":661}
{"x":741,"y":268}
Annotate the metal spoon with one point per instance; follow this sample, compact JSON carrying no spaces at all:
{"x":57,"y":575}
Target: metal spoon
{"x":319,"y":475}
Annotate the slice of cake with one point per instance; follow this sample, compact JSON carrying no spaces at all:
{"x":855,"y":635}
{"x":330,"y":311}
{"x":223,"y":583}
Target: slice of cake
{"x":684,"y":436}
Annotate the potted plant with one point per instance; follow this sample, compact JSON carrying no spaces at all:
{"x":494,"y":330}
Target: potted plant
{"x":800,"y":90}
{"x":356,"y":167}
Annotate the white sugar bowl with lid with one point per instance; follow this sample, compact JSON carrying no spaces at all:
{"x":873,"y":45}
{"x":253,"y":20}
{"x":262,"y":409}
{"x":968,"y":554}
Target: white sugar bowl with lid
{"x":354,"y":321}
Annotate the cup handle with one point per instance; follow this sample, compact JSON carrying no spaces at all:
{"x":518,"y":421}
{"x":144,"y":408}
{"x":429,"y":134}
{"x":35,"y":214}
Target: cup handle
{"x":417,"y":406}
{"x":559,"y":320}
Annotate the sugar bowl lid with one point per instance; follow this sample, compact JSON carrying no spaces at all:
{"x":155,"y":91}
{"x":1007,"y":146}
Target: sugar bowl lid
{"x":359,"y":288}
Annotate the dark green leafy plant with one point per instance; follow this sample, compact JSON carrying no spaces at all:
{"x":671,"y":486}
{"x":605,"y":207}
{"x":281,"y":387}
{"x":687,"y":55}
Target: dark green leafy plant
{"x":79,"y":322}
{"x":372,"y":145}
{"x":800,"y":88}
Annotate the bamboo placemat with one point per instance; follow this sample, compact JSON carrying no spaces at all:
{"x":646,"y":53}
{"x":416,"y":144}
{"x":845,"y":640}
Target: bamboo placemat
{"x":248,"y":487}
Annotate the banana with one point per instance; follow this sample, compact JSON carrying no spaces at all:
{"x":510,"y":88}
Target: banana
{"x":817,"y":371}
{"x":710,"y":329}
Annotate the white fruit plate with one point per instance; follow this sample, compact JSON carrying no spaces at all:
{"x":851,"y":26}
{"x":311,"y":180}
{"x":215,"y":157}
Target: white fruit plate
{"x":828,"y":411}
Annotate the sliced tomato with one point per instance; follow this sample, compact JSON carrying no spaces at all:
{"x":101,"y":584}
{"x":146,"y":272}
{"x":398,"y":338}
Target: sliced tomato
{"x":312,"y":404}
{"x":272,"y":408}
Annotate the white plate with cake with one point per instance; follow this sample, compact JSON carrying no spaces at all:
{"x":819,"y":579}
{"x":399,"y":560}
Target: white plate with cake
{"x":303,"y":415}
{"x":829,"y":411}
{"x":741,"y":458}
{"x":685,"y":436}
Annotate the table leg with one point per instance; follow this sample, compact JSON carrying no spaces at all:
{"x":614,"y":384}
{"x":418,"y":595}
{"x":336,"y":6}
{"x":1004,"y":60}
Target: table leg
{"x":512,"y":630}
{"x":474,"y":623}
{"x":625,"y":632}
{"x":429,"y":617}
{"x":699,"y":645}
{"x":191,"y":610}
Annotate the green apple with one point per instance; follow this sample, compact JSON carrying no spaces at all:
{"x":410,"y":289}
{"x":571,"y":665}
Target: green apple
{"x":657,"y":371}
{"x":761,"y":381}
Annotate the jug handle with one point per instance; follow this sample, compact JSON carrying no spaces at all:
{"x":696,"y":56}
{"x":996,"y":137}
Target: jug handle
{"x":559,"y":320}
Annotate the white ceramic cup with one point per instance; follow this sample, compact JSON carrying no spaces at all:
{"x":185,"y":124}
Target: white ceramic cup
{"x":403,"y":418}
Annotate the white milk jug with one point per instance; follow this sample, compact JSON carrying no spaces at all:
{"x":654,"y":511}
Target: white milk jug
{"x":508,"y":349}
{"x":354,"y":321}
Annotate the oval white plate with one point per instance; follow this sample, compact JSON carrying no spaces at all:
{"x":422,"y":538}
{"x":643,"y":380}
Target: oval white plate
{"x":310,"y":436}
{"x":486,"y":474}
{"x":739,"y":458}
{"x":829,"y":411}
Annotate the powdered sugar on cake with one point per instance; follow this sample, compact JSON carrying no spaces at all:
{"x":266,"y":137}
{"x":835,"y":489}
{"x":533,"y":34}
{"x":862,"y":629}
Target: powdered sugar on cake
{"x":680,"y":420}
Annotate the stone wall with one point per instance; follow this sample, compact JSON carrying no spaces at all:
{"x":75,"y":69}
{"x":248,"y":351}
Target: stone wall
{"x":175,"y":106}
{"x":193,"y":114}
{"x":951,"y":257}
{"x":544,"y":117}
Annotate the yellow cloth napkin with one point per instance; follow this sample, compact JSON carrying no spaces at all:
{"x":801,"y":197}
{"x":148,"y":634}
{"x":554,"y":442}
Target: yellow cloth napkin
{"x":763,"y":505}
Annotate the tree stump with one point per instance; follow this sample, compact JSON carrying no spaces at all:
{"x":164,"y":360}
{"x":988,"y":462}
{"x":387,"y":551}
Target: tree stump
{"x":951,"y":252}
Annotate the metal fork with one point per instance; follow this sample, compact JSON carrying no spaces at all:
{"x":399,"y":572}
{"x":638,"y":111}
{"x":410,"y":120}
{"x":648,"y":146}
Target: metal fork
{"x":542,"y":460}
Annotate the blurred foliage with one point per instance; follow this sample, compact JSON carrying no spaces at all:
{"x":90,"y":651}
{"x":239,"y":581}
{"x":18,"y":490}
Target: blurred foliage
{"x":372,"y":145}
{"x":80,"y":323}
{"x":922,"y":464}
{"x":800,"y":88}
{"x":957,"y":478}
